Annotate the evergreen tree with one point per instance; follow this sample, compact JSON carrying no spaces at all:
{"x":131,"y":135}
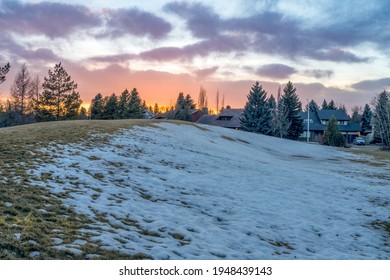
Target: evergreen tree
{"x":257,"y":116}
{"x":135,"y":109}
{"x":72,"y":105}
{"x":123,"y":101}
{"x":3,"y":71}
{"x":366,"y":119}
{"x":313,"y":106}
{"x":59,"y":100}
{"x":183,"y":108}
{"x":293,"y":106}
{"x":96,"y":107}
{"x":332,"y":105}
{"x":190,"y":103}
{"x":271,"y":103}
{"x":324,"y":105}
{"x":280,"y":123}
{"x":332,"y":134}
{"x":110,"y":107}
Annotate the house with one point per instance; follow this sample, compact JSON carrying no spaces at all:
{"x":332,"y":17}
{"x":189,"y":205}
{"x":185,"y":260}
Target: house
{"x":149,"y":115}
{"x":195,"y":115}
{"x":229,"y":118}
{"x":318,"y":121}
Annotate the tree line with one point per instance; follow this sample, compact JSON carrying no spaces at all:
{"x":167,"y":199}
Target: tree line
{"x":57,"y":99}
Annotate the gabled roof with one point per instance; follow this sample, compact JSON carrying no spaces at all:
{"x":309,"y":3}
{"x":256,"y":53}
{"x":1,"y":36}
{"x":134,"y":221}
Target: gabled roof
{"x":340,"y":115}
{"x":227,"y":118}
{"x":316,"y":125}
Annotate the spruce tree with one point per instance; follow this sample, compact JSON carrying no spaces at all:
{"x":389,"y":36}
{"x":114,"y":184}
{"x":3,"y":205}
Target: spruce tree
{"x":324,"y":105}
{"x":293,"y":107}
{"x":257,"y":116}
{"x":332,"y":134}
{"x":280,"y":123}
{"x":59,"y":99}
{"x":72,"y":105}
{"x":123,"y":101}
{"x":332,"y":105}
{"x":110,"y":107}
{"x":313,"y":106}
{"x":183,"y":108}
{"x":366,"y":119}
{"x":135,"y":108}
{"x":96,"y":107}
{"x":271,"y":103}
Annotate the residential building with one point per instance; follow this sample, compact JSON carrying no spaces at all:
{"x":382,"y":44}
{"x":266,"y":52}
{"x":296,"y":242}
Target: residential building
{"x":229,"y":118}
{"x":318,"y":121}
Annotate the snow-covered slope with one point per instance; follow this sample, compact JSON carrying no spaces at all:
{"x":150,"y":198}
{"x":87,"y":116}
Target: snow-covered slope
{"x":187,"y":192}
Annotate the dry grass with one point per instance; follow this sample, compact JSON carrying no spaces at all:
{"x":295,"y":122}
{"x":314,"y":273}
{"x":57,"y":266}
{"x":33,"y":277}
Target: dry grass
{"x":376,"y":152}
{"x":32,"y":218}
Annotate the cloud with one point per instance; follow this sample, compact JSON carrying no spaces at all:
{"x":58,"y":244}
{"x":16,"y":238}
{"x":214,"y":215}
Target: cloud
{"x":201,"y":20}
{"x":48,"y":18}
{"x":336,"y":54}
{"x":204,"y":73}
{"x":118,"y":58}
{"x":18,"y":51}
{"x":276,"y":71}
{"x":220,"y":44}
{"x":318,"y":73}
{"x":372,"y":85}
{"x":274,"y":32}
{"x":136,"y":22}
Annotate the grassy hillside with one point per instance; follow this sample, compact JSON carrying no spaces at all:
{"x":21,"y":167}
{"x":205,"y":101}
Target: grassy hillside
{"x":145,"y":189}
{"x":39,"y":215}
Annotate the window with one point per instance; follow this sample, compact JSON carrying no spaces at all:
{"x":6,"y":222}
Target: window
{"x":224,"y":118}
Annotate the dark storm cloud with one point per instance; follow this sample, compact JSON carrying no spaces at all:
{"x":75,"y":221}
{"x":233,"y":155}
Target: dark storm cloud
{"x":276,"y":71}
{"x":51,"y":19}
{"x":136,"y":22}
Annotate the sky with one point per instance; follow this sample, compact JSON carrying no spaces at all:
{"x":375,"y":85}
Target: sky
{"x":329,"y":49}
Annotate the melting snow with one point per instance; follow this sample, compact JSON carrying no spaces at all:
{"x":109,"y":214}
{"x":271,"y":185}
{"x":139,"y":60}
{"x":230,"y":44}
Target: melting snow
{"x":179,"y":192}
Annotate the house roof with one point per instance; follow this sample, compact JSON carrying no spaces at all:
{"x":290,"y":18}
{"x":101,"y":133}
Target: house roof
{"x":340,"y":115}
{"x":227,"y":118}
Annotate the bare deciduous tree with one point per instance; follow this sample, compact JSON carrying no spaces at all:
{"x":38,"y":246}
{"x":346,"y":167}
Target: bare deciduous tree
{"x":381,"y":104}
